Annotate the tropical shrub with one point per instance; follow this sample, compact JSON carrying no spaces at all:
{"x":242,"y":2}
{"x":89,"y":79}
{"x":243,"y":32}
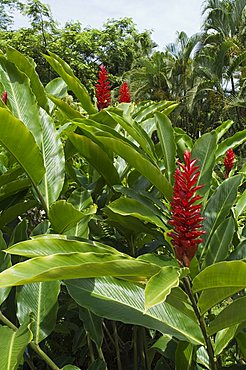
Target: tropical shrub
{"x":90,"y":275}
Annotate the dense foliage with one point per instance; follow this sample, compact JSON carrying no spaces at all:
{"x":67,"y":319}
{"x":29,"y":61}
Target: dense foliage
{"x":122,"y":227}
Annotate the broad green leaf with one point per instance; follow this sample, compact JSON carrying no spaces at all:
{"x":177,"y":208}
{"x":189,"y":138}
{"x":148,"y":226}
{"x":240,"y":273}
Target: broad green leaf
{"x":5,"y":262}
{"x":75,"y":265}
{"x":92,"y":324}
{"x":27,"y":66}
{"x":232,"y":142}
{"x":72,"y":82}
{"x":233,"y":314}
{"x":18,"y":140}
{"x":21,"y":98}
{"x":220,"y":242}
{"x":162,"y":343}
{"x":49,"y":244}
{"x":140,"y":162}
{"x":160,"y":285}
{"x":63,"y":215}
{"x":57,"y":88}
{"x":97,"y":157}
{"x":13,"y":344}
{"x":40,"y":300}
{"x":131,"y":207}
{"x":223,"y":338}
{"x":124,"y":301}
{"x":241,"y":341}
{"x":184,"y":356}
{"x":168,"y":145}
{"x":11,"y":175}
{"x":99,"y":364}
{"x":54,"y":160}
{"x":219,"y":205}
{"x":221,"y":275}
{"x":149,"y":109}
{"x":223,"y":128}
{"x":70,"y":367}
{"x":204,"y":151}
{"x":16,"y":210}
{"x":202,"y":357}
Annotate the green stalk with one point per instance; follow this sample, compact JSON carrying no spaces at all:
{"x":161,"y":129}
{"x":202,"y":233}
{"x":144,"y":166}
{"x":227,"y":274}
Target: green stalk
{"x":34,"y":346}
{"x":209,"y":346}
{"x":117,"y":347}
{"x":135,"y":349}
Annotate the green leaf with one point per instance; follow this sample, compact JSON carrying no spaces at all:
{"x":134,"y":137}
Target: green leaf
{"x":223,"y":128}
{"x":233,"y":314}
{"x":40,"y":300}
{"x":131,"y":207}
{"x":138,"y":161}
{"x":223,"y":338}
{"x":27,"y":66}
{"x":241,"y":341}
{"x":204,"y":151}
{"x":160,"y":285}
{"x":232,"y":142}
{"x":92,"y":324}
{"x":21,"y":144}
{"x":220,"y":242}
{"x":168,"y":144}
{"x":72,"y":82}
{"x":240,"y":206}
{"x":219,"y":205}
{"x":67,"y":109}
{"x":14,"y":187}
{"x":54,"y":160}
{"x":239,"y":253}
{"x":63,"y":215}
{"x":123,"y":301}
{"x":70,"y":367}
{"x":20,"y":97}
{"x":218,"y":282}
{"x":57,"y":88}
{"x":13,"y":344}
{"x":49,"y":244}
{"x":73,"y":266}
{"x":97,"y":157}
{"x":184,"y":356}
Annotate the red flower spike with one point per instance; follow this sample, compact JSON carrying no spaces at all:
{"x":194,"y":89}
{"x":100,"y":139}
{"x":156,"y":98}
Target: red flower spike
{"x":4,"y":97}
{"x":124,"y":94}
{"x":229,"y":161}
{"x":186,"y":216}
{"x":103,"y":94}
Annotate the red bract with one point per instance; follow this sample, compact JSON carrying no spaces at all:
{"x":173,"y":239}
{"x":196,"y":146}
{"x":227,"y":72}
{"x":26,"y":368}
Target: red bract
{"x":103,"y":94}
{"x":186,"y":211}
{"x":229,"y":161}
{"x":124,"y":94}
{"x":4,"y":97}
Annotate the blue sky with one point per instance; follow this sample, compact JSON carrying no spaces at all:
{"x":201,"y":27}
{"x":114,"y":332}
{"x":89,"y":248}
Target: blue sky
{"x":164,"y":17}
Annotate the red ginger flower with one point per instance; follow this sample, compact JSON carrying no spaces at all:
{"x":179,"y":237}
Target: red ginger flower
{"x":124,"y":94}
{"x":186,"y":212}
{"x":4,"y":97}
{"x":103,"y":94}
{"x":229,"y":161}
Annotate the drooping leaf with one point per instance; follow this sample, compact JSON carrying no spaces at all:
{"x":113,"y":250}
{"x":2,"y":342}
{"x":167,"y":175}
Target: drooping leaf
{"x":223,"y":338}
{"x":168,"y":144}
{"x":27,"y":66}
{"x":72,"y":82}
{"x":13,"y":344}
{"x":40,"y":300}
{"x":124,"y":301}
{"x":14,"y":211}
{"x":223,"y":128}
{"x":75,"y":265}
{"x":18,"y":140}
{"x":184,"y":356}
{"x":232,"y":142}
{"x":160,"y":285}
{"x":21,"y":98}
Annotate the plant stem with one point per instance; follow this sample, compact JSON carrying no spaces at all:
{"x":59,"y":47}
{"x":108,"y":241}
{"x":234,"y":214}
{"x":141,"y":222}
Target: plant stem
{"x":135,"y":349}
{"x":34,"y":346}
{"x":117,"y":348}
{"x":90,"y":348}
{"x":210,"y":350}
